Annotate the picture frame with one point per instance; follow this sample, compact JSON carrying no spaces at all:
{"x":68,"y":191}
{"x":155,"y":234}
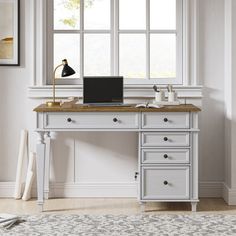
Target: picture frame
{"x":9,"y":32}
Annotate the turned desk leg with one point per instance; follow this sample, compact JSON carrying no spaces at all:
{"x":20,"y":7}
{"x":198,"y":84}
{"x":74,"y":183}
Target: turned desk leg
{"x":194,"y":206}
{"x":40,"y":168}
{"x":142,"y":206}
{"x":47,"y":165}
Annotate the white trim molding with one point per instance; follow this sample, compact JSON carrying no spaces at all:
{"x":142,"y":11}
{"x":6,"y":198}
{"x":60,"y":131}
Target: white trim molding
{"x":190,"y":48}
{"x":98,"y":189}
{"x":125,"y":189}
{"x":229,"y":194}
{"x":130,"y":91}
{"x":230,"y":98}
{"x":211,"y":189}
{"x":7,"y":189}
{"x":190,"y":42}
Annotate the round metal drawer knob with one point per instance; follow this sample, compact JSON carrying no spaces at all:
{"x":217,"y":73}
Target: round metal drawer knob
{"x":165,"y":119}
{"x":165,"y":182}
{"x":115,"y":119}
{"x":69,"y":120}
{"x":165,"y":139}
{"x":165,"y":156}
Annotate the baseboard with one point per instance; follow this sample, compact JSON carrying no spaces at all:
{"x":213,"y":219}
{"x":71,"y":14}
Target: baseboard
{"x":7,"y":189}
{"x":126,"y":189}
{"x":229,"y":194}
{"x":210,"y":189}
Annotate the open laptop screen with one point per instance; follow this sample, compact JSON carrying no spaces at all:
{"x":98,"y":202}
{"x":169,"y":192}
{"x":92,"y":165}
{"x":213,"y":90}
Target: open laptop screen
{"x":103,"y":90}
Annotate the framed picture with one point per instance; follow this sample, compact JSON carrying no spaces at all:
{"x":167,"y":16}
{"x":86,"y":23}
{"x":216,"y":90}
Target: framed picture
{"x":9,"y":32}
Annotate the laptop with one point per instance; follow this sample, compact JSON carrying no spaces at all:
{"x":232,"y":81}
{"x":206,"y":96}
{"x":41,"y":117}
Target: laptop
{"x":103,"y":90}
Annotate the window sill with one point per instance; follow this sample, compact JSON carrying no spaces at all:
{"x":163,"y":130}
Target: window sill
{"x":130,"y":91}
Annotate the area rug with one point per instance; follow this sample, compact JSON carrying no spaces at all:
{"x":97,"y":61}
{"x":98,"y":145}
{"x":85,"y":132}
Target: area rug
{"x":134,"y":225}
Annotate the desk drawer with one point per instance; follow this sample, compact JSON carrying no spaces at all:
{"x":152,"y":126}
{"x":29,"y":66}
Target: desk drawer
{"x":165,"y":120}
{"x":91,"y":120}
{"x":165,"y":139}
{"x":163,"y":183}
{"x":165,"y":156}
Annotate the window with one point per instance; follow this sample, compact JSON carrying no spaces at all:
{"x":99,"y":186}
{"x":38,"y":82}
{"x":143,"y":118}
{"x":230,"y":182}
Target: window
{"x":139,"y":39}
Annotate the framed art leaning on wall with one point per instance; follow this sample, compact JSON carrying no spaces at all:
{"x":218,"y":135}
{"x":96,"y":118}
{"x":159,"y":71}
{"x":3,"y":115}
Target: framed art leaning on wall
{"x":9,"y":32}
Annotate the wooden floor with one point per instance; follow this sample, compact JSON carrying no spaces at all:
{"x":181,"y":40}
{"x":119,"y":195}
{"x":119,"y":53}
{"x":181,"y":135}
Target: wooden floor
{"x":112,"y":206}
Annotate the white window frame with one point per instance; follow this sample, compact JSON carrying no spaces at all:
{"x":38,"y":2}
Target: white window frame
{"x":38,"y":87}
{"x":114,"y":33}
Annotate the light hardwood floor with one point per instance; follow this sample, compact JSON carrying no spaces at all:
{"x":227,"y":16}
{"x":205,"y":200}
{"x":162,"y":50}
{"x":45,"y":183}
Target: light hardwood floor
{"x":112,"y":206}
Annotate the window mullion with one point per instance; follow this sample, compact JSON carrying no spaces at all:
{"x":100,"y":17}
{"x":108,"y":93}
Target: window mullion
{"x":112,"y":38}
{"x":81,"y":39}
{"x":163,"y":31}
{"x":147,"y":39}
{"x":131,"y":31}
{"x":179,"y":41}
{"x":50,"y":43}
{"x":97,"y":31}
{"x":66,"y":31}
{"x":116,"y":37}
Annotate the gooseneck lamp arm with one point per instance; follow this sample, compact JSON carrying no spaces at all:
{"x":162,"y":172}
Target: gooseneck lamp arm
{"x":54,"y":82}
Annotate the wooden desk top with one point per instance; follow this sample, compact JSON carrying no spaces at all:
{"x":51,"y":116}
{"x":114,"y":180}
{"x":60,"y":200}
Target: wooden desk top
{"x":83,"y":108}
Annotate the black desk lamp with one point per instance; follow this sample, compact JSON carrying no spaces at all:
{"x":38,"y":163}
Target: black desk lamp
{"x":66,"y":71}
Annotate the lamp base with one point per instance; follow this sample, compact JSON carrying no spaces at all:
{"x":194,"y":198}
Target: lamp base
{"x":53,"y":104}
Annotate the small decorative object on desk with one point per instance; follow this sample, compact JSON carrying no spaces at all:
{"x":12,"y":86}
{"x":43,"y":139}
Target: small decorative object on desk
{"x":148,"y":105}
{"x":71,"y":101}
{"x":159,"y":94}
{"x":172,"y":96}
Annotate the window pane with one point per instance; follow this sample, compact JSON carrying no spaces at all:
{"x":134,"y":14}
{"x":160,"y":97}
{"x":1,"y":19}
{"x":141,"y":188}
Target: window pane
{"x":163,"y":56}
{"x":66,"y":14}
{"x":163,"y":14}
{"x":97,"y":14}
{"x":132,"y":57}
{"x":132,"y":14}
{"x":97,"y":54}
{"x":66,"y":46}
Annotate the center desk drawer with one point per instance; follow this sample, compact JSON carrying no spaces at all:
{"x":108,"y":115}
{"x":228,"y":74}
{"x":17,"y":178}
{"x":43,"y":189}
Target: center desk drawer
{"x":165,"y":120}
{"x":94,"y":120}
{"x":165,"y":139}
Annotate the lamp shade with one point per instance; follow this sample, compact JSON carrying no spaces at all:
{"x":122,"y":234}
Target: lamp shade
{"x":67,"y":70}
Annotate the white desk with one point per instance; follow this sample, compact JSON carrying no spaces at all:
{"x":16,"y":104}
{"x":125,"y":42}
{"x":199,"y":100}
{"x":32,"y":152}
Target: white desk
{"x":168,"y":146}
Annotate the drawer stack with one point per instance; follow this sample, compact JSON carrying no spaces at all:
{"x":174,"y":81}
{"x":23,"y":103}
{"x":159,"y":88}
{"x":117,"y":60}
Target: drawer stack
{"x":165,"y":156}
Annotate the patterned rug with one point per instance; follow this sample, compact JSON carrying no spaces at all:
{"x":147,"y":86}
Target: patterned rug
{"x":135,"y":225}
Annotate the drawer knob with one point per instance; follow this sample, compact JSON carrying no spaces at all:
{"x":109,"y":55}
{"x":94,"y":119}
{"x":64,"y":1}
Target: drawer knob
{"x":165,"y":119}
{"x":165,"y":139}
{"x":69,"y":120}
{"x":165,"y":182}
{"x":115,"y":119}
{"x":165,"y":156}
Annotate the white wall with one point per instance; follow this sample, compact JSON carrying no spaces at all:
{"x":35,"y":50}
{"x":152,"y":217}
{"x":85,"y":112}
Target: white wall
{"x":13,"y":95}
{"x":104,"y":160}
{"x":211,"y":65}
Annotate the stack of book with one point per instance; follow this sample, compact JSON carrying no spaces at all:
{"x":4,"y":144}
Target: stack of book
{"x":8,"y":220}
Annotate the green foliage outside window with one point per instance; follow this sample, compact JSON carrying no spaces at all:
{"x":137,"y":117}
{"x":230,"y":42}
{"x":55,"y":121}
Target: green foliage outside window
{"x":74,"y":5}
